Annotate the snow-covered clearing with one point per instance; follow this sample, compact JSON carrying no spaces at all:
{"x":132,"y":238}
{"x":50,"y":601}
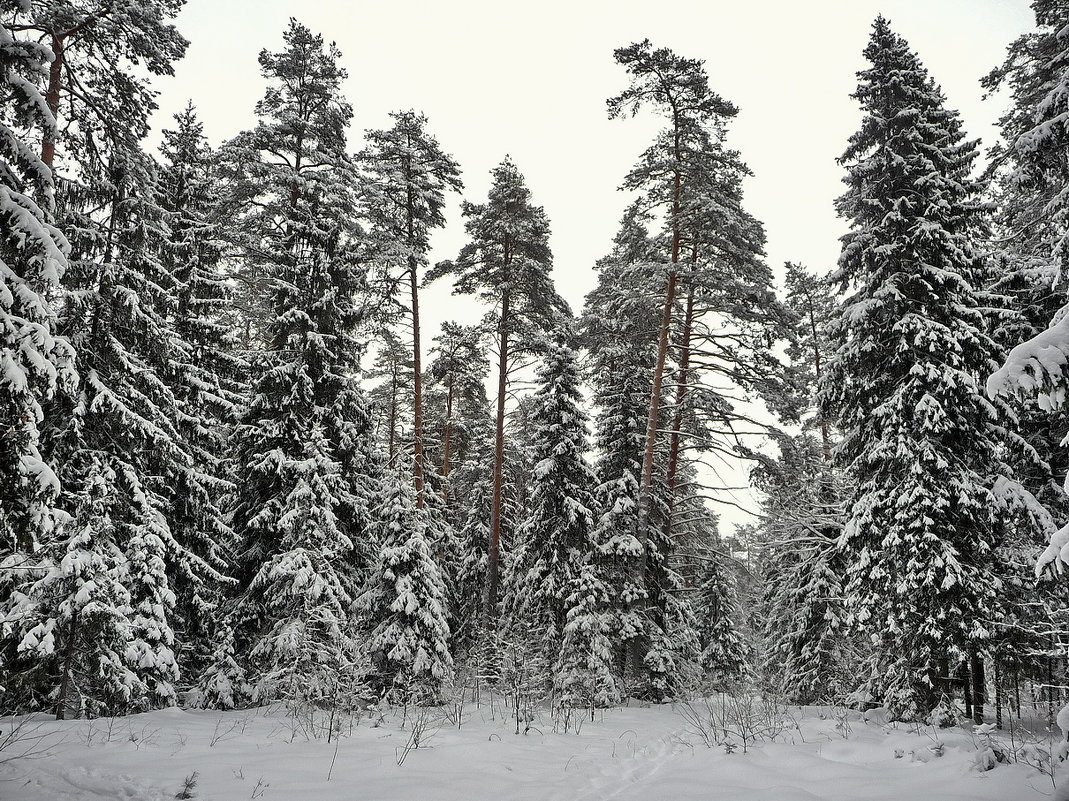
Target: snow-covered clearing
{"x":628,"y":753}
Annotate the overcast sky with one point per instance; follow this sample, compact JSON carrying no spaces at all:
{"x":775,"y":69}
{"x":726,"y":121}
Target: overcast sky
{"x":497,"y":77}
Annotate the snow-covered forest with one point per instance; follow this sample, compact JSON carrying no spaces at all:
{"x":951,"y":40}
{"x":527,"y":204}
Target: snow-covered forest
{"x":237,"y":476}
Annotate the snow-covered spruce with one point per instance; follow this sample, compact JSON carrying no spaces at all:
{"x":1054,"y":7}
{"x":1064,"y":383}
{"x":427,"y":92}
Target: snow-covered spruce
{"x":555,"y":540}
{"x":34,"y":361}
{"x":302,"y":511}
{"x":405,"y":603}
{"x":919,"y":438}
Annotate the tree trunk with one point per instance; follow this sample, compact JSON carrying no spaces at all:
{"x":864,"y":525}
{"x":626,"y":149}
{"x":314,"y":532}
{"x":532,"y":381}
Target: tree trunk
{"x":636,"y":646}
{"x":55,"y":83}
{"x":677,"y":419}
{"x":417,"y":387}
{"x":68,"y":660}
{"x":998,"y":695}
{"x":653,"y":419}
{"x":493,"y":571}
{"x":976,"y":665}
{"x":966,"y":685}
{"x":447,"y":440}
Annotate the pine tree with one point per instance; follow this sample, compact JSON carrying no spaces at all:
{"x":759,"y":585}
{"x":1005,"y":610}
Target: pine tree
{"x":713,"y":265}
{"x":458,"y":409}
{"x":507,"y":262}
{"x":679,"y":89}
{"x":406,"y":603}
{"x":392,"y":398}
{"x":918,"y":437}
{"x":412,"y":175}
{"x":301,"y":513}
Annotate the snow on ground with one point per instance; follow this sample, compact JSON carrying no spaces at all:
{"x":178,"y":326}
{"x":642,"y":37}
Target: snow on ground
{"x":628,"y":753}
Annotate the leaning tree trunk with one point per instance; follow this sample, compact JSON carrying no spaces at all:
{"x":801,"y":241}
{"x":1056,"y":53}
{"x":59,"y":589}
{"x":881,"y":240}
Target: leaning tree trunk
{"x":636,"y":647}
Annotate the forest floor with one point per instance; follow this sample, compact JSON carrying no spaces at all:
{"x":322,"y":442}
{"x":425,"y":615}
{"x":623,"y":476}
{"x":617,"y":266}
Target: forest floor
{"x":652,"y":753}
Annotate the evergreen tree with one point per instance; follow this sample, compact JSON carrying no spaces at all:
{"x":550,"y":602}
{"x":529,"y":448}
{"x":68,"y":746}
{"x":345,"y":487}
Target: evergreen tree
{"x":918,"y":437}
{"x":678,"y":88}
{"x":507,"y":262}
{"x":412,"y":175}
{"x":800,"y":611}
{"x":620,"y":332}
{"x":584,"y":669}
{"x":34,"y":362}
{"x":120,"y":423}
{"x":555,"y":539}
{"x":302,"y":509}
{"x":205,"y":377}
{"x":458,"y":409}
{"x":1031,"y":177}
{"x":73,"y":622}
{"x":406,"y":603}
{"x":713,"y":265}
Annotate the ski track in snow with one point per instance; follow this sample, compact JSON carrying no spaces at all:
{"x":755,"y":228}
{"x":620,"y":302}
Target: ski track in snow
{"x":617,"y":773}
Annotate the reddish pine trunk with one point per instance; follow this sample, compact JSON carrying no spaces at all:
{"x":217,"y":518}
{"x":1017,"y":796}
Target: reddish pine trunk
{"x":417,"y":389}
{"x":677,"y":420}
{"x":636,"y":648}
{"x":493,"y":574}
{"x":55,"y":82}
{"x":658,"y":379}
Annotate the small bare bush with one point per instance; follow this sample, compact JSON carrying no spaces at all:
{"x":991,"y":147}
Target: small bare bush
{"x":736,"y":721}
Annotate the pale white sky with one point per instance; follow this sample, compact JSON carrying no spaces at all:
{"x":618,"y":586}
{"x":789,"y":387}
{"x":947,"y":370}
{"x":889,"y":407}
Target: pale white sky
{"x":497,"y":77}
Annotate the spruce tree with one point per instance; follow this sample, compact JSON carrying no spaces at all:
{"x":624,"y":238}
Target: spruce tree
{"x":206,"y":376}
{"x":919,"y":438}
{"x":406,"y":604}
{"x":584,"y":670}
{"x":620,"y":332}
{"x":1033,"y":220}
{"x":555,"y":539}
{"x":301,"y":513}
{"x":120,"y":423}
{"x":1031,"y":228}
{"x":34,"y":361}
